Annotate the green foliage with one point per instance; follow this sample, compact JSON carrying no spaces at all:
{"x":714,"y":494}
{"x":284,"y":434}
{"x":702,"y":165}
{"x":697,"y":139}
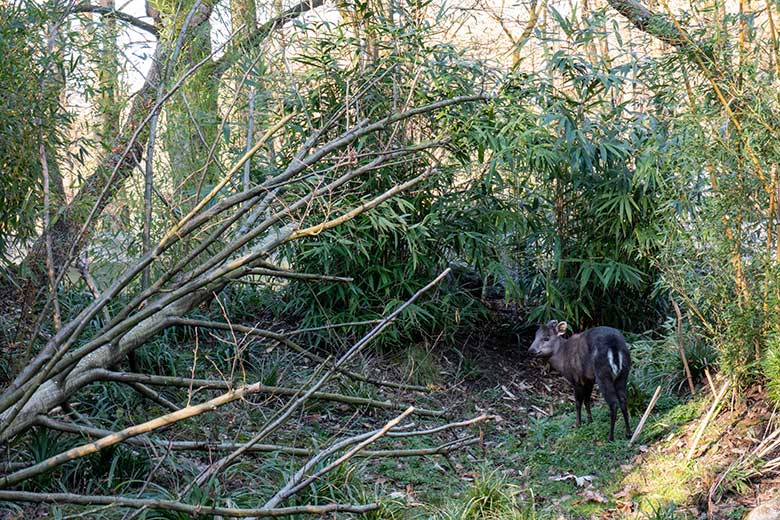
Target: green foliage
{"x":666,"y":512}
{"x":656,"y":361}
{"x":490,"y":497}
{"x":418,"y":366}
{"x":397,"y":248}
{"x":31,"y":81}
{"x":771,"y":365}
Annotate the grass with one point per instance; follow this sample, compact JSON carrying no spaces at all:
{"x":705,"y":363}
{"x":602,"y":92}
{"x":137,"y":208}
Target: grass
{"x":490,"y":497}
{"x":519,"y":475}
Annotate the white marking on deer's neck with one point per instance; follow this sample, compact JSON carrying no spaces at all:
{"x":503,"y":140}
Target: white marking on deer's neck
{"x":612,"y":365}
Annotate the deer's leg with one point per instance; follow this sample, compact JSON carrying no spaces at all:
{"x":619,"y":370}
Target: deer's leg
{"x":607,"y":388}
{"x":621,"y":391}
{"x":579,"y":397}
{"x":587,"y":400}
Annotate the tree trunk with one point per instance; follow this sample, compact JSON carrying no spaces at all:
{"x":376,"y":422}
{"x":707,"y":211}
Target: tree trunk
{"x":72,"y":224}
{"x":192,"y":113}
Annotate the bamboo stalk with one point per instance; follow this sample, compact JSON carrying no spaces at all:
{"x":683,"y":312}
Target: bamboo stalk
{"x":682,"y":348}
{"x":706,"y":421}
{"x":709,"y":382}
{"x":642,"y":421}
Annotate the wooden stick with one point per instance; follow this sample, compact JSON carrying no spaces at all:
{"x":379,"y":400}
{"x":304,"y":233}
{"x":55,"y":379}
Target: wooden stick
{"x":709,"y":381}
{"x":682,"y":348}
{"x":642,"y":421}
{"x":706,"y":421}
{"x":127,"y":433}
{"x":298,"y":483}
{"x":184,"y":382}
{"x":172,"y":505}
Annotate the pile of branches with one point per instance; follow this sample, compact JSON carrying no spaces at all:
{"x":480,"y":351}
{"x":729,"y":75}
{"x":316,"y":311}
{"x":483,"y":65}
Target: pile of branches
{"x":231,"y":235}
{"x":318,"y":464}
{"x":226,"y":239}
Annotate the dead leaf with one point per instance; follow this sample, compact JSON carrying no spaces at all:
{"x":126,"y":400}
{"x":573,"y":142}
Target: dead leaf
{"x":410,"y":498}
{"x":591,"y":495}
{"x":626,"y":492}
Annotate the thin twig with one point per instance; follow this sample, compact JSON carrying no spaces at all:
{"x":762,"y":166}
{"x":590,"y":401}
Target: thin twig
{"x":296,"y":485}
{"x":275,"y":423}
{"x":184,"y":382}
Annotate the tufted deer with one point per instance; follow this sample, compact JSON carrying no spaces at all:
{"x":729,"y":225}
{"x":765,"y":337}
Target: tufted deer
{"x":597,"y":355}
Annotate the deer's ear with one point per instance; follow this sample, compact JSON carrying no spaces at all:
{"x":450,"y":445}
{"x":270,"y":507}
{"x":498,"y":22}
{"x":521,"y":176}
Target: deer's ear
{"x":561,"y":329}
{"x":552,"y":324}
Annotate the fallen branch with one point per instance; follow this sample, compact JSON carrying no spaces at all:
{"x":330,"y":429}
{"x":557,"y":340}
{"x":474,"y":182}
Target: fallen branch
{"x":282,"y":273}
{"x":172,"y":505}
{"x":706,"y":420}
{"x":127,"y":433}
{"x":146,"y":441}
{"x":274,"y":423}
{"x":297,"y":483}
{"x":284,"y":340}
{"x":645,"y":416}
{"x":153,"y":396}
{"x":184,"y":382}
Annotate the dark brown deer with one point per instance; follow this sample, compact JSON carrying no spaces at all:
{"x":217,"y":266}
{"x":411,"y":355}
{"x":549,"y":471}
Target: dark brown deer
{"x":598,"y":355}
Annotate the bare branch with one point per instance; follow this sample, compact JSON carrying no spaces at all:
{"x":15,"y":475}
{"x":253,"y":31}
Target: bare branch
{"x":297,"y":483}
{"x":119,"y":15}
{"x":224,"y":63}
{"x":276,"y":422}
{"x":183,"y":382}
{"x":282,"y":273}
{"x":153,"y":396}
{"x":295,"y":347}
{"x":172,"y":505}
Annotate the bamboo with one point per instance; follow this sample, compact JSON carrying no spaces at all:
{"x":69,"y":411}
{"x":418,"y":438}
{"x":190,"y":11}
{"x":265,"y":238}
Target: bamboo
{"x":642,"y":421}
{"x":682,"y":348}
{"x":706,"y":421}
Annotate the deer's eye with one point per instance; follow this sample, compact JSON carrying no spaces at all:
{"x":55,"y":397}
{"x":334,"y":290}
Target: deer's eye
{"x":546,"y":338}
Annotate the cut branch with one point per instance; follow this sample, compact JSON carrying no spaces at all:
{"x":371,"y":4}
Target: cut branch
{"x":183,"y":382}
{"x":172,"y":505}
{"x":297,"y":483}
{"x":295,"y":347}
